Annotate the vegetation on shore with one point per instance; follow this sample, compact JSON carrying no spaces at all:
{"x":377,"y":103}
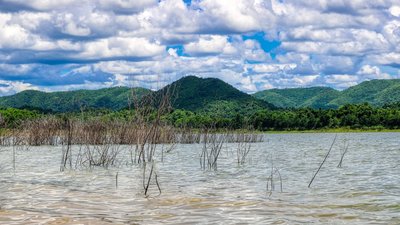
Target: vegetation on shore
{"x":360,"y":117}
{"x":199,"y":103}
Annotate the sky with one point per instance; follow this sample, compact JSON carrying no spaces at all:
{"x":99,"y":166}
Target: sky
{"x":58,"y":45}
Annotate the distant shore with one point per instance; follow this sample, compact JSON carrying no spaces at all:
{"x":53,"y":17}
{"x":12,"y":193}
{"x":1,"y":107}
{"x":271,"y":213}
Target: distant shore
{"x":336,"y":130}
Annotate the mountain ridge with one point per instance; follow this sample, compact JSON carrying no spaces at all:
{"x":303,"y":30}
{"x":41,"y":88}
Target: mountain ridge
{"x":209,"y":94}
{"x":69,"y":101}
{"x":374,"y":92}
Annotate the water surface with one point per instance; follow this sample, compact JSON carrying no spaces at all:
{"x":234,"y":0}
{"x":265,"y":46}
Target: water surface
{"x":364,"y":191}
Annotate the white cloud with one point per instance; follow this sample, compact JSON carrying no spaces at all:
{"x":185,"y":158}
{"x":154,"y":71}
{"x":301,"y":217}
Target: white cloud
{"x":210,"y":45}
{"x":120,"y":47}
{"x":386,"y":59}
{"x":273,"y":68}
{"x":118,"y":67}
{"x":395,"y":11}
{"x":126,"y":6}
{"x":334,"y":41}
{"x":173,"y":52}
{"x":70,"y":26}
{"x":13,"y":36}
{"x":16,"y":69}
{"x":391,"y":31}
{"x":342,"y":81}
{"x":12,"y":87}
{"x":232,"y":15}
{"x":43,"y":4}
{"x":306,"y":80}
{"x":323,"y":42}
{"x":372,"y":72}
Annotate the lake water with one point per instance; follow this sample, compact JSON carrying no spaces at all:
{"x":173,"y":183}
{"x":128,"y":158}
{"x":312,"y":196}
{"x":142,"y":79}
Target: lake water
{"x":365,"y":190}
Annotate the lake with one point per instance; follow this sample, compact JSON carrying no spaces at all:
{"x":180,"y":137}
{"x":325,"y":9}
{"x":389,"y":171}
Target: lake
{"x":365,"y":190}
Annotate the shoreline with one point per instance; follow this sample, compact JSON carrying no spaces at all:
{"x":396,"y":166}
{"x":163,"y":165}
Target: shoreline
{"x":338,"y":130}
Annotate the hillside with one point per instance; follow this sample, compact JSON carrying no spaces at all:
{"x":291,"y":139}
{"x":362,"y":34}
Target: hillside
{"x":375,"y":92}
{"x":298,"y":97}
{"x":69,"y":101}
{"x":190,"y":93}
{"x":211,"y":95}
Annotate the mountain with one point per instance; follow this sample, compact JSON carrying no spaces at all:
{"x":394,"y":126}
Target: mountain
{"x":375,"y":92}
{"x":189,"y":93}
{"x":298,"y":97}
{"x":210,"y":95}
{"x":69,"y":101}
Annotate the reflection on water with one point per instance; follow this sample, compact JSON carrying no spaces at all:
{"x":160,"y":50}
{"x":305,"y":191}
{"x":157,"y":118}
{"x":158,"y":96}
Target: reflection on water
{"x":366,"y":190}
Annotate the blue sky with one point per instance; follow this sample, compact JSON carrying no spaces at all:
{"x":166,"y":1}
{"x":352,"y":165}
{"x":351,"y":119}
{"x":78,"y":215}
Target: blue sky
{"x":57,"y":45}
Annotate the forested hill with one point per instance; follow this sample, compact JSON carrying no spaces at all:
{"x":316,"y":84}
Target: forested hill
{"x":314,"y":97}
{"x":211,"y":95}
{"x":374,"y":92}
{"x":189,"y":93}
{"x":115,"y":98}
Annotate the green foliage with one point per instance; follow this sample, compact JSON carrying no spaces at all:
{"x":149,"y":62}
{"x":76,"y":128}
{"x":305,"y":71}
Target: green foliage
{"x":10,"y":118}
{"x":199,"y":103}
{"x":316,"y":97}
{"x":351,"y":116}
{"x":71,"y":101}
{"x":198,"y":94}
{"x":374,"y":92}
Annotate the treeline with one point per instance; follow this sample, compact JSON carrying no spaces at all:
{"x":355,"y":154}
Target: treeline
{"x":360,"y":116}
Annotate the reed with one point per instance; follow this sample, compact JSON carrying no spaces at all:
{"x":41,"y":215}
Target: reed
{"x":189,"y":136}
{"x":67,"y":151}
{"x":274,"y":174}
{"x":322,"y":163}
{"x":152,"y":133}
{"x":342,"y":153}
{"x":42,"y":131}
{"x":243,"y":137}
{"x":212,"y":145}
{"x":147,"y":125}
{"x":243,"y":147}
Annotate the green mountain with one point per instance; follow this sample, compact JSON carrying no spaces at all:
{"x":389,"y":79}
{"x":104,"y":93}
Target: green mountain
{"x":189,"y":93}
{"x":210,"y":95}
{"x":375,"y":92}
{"x":69,"y":101}
{"x":298,"y":97}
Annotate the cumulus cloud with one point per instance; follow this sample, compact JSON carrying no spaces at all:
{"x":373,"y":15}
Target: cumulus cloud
{"x":395,"y":10}
{"x":372,"y":72}
{"x":39,"y":5}
{"x":126,"y":6}
{"x":210,"y":46}
{"x":120,"y":47}
{"x":232,"y":16}
{"x":67,"y":44}
{"x":12,"y":87}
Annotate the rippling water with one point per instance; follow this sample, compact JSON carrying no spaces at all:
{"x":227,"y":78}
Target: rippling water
{"x":366,"y":190}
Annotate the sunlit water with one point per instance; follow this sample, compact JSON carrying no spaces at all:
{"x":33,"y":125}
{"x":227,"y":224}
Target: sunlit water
{"x":366,"y":190}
